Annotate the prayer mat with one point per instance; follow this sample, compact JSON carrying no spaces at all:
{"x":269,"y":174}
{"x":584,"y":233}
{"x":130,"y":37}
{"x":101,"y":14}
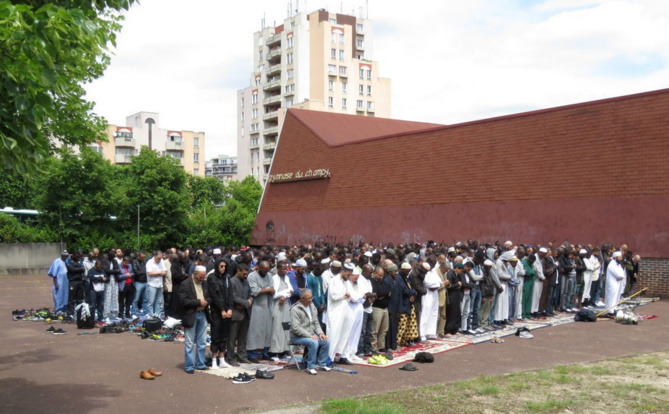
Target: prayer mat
{"x":407,"y":353}
{"x":505,"y":330}
{"x":250,"y":369}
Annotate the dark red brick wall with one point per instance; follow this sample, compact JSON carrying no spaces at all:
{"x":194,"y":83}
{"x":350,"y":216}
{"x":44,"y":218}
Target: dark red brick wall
{"x":590,"y":173}
{"x":654,"y":274}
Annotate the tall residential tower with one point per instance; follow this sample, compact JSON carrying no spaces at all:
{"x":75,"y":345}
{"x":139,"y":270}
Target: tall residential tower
{"x":319,"y":61}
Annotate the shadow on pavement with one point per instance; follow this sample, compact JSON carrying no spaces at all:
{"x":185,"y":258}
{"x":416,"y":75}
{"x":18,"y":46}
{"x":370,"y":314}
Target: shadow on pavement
{"x":27,"y":357}
{"x":18,"y":395}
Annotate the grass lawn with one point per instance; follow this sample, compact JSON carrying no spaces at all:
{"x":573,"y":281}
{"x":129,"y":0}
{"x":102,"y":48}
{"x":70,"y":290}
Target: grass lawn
{"x":632,"y":384}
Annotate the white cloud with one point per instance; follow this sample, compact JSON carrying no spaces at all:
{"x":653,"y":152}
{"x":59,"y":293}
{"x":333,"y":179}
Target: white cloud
{"x":448,"y":61}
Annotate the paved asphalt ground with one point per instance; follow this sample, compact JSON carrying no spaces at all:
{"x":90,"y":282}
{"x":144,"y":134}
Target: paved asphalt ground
{"x":43,"y":373}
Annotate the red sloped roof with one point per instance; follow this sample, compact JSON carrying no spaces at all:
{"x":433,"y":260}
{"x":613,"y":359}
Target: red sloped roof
{"x":340,"y":129}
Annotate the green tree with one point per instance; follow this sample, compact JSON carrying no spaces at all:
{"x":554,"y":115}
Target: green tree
{"x":49,"y":50}
{"x":158,"y":185}
{"x":15,"y":190}
{"x":205,"y":191}
{"x":76,"y":197}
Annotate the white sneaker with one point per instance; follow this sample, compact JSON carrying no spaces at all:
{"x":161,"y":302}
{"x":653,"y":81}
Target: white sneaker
{"x":471,"y":332}
{"x":525,"y":335}
{"x":311,"y":371}
{"x":601,"y":304}
{"x":422,"y":339}
{"x":324,"y":368}
{"x":355,"y":358}
{"x":479,"y":330}
{"x":276,"y":359}
{"x":223,"y":364}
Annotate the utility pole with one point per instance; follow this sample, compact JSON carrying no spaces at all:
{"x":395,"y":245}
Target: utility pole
{"x":138,"y":228}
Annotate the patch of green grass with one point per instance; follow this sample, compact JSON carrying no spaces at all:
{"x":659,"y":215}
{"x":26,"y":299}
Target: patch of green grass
{"x":548,"y":405}
{"x":601,"y":370}
{"x":489,"y":390}
{"x":351,"y":406}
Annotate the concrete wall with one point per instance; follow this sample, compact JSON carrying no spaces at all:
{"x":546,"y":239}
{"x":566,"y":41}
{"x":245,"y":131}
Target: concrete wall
{"x":27,"y":258}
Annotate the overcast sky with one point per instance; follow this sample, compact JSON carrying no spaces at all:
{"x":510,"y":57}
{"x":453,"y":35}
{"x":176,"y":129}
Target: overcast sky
{"x":449,"y":61}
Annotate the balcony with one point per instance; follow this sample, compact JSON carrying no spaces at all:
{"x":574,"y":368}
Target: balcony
{"x":269,"y":146}
{"x":174,"y":146}
{"x":271,"y":116}
{"x":273,"y":40}
{"x":123,"y":159}
{"x":289,"y":92}
{"x":273,"y":85}
{"x":360,"y":46}
{"x":254,"y":145}
{"x":274,"y":69}
{"x":360,"y":109}
{"x":255,"y":132}
{"x":267,"y":161}
{"x":124,"y":142}
{"x":370,"y":109}
{"x":271,"y":131}
{"x":274,"y":54}
{"x":272,"y":99}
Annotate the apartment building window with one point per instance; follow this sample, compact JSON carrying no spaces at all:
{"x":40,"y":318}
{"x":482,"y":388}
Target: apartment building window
{"x":254,"y":143}
{"x":359,"y":27}
{"x":289,"y":58}
{"x":290,"y":73}
{"x":261,"y":67}
{"x":175,"y":154}
{"x":333,"y":54}
{"x":196,"y":157}
{"x":361,"y":89}
{"x":332,"y":69}
{"x":125,"y":151}
{"x":254,"y":113}
{"x":343,"y":103}
{"x":242,"y":105}
{"x":289,"y":103}
{"x":370,"y":106}
{"x":242,"y":131}
{"x":331,"y":85}
{"x":343,"y":87}
{"x":254,"y":98}
{"x":332,"y":20}
{"x":359,"y":104}
{"x":369,"y":90}
{"x":334,"y":37}
{"x":289,"y":42}
{"x":331,"y":102}
{"x":290,"y":88}
{"x":369,"y":74}
{"x":362,"y":74}
{"x":260,"y":55}
{"x":342,"y":70}
{"x":254,"y":127}
{"x":360,"y":56}
{"x":196,"y":142}
{"x":359,"y":43}
{"x":341,"y":55}
{"x":258,"y":81}
{"x":261,"y":41}
{"x":341,"y":38}
{"x":196,"y":171}
{"x":242,"y":117}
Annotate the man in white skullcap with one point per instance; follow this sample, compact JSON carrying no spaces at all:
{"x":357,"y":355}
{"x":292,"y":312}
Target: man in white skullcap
{"x":339,"y":314}
{"x":429,"y":314}
{"x":615,"y":279}
{"x":298,"y":279}
{"x":356,"y":291}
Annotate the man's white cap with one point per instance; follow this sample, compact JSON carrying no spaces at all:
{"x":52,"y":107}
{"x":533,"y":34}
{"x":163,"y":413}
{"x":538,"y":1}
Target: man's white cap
{"x":347,"y":266}
{"x":508,"y":243}
{"x":543,"y":250}
{"x":217,"y":251}
{"x":617,"y":254}
{"x":325,"y":261}
{"x":335,"y":263}
{"x":406,"y":266}
{"x":451,"y":249}
{"x":281,"y":256}
{"x":488,"y":263}
{"x":200,"y":269}
{"x":301,"y":263}
{"x":356,"y":270}
{"x":368,"y":254}
{"x":583,"y":251}
{"x":426,"y":266}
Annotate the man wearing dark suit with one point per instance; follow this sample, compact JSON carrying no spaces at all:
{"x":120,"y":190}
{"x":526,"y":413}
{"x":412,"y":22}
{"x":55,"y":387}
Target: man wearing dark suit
{"x":241,"y":315}
{"x":195,"y":299}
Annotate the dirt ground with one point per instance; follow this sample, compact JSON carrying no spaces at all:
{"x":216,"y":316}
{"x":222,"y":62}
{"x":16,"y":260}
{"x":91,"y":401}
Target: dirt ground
{"x":40,"y":372}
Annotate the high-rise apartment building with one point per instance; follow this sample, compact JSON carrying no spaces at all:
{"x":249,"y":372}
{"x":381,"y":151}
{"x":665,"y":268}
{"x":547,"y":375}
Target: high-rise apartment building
{"x":319,"y":61}
{"x":222,"y":167}
{"x":143,"y":129}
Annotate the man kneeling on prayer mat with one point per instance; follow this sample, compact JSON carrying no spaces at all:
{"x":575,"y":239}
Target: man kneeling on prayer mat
{"x":305,"y":330}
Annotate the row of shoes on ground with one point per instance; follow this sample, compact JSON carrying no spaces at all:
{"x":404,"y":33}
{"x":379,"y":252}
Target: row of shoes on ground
{"x":524,"y":333}
{"x":312,"y":371}
{"x":150,"y":374}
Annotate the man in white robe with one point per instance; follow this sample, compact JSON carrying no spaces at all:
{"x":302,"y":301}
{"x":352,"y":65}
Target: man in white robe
{"x":429,"y":313}
{"x":539,"y":280}
{"x":339,"y":315}
{"x":356,"y":299}
{"x":615,"y":282}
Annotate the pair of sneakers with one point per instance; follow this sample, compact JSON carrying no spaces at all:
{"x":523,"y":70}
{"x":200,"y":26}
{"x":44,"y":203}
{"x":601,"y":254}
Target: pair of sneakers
{"x":378,"y":360}
{"x":243,"y":378}
{"x":55,"y":331}
{"x":312,"y":371}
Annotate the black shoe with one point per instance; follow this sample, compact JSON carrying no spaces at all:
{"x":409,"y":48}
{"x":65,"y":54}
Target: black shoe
{"x":242,"y":379}
{"x":253,"y":361}
{"x":233,"y":363}
{"x":190,"y":372}
{"x":244,"y":361}
{"x":59,"y":332}
{"x":51,"y":329}
{"x":264,"y":375}
{"x":344,"y":361}
{"x":388,"y":355}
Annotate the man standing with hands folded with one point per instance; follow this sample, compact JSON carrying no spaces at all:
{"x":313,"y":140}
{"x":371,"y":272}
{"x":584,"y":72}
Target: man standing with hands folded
{"x":194,"y":296}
